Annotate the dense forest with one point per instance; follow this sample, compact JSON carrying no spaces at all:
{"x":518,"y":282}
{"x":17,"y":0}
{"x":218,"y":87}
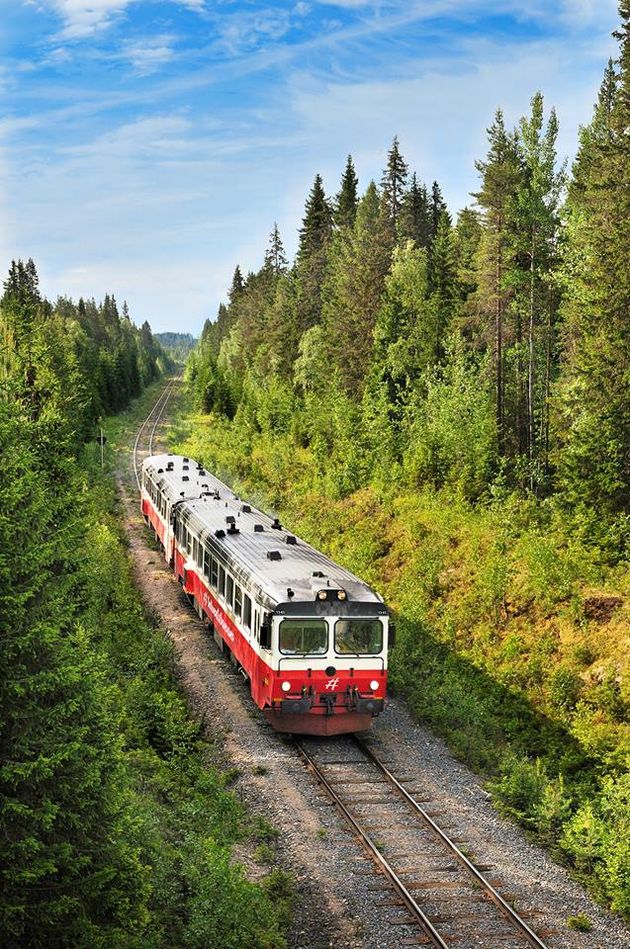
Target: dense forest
{"x":116,"y":828}
{"x":177,"y":345}
{"x":444,"y":405}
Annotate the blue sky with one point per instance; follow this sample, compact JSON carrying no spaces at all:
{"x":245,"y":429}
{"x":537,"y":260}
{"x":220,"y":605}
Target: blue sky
{"x":147,"y":146}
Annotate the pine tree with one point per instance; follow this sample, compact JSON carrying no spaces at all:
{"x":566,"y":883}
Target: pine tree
{"x":537,"y":224}
{"x":500,"y":174}
{"x":393,"y":184}
{"x":347,"y":199}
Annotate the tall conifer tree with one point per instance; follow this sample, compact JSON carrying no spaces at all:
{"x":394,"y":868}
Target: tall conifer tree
{"x":393,"y":184}
{"x":347,"y":199}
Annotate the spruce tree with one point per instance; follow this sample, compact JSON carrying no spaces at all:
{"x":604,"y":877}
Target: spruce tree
{"x":315,"y":235}
{"x":275,"y":257}
{"x":347,"y":199}
{"x":393,"y":184}
{"x":594,"y":457}
{"x":69,"y":871}
{"x":237,"y":285}
{"x":415,"y":222}
{"x":437,"y":207}
{"x":359,"y":262}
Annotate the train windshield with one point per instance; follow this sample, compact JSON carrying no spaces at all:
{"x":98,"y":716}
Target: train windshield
{"x":303,"y":637}
{"x":359,"y":637}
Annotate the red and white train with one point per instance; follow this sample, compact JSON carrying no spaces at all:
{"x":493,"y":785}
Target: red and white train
{"x":310,"y":636}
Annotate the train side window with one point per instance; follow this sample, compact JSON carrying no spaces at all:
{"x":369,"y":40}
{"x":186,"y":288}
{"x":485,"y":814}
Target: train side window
{"x":206,"y":562}
{"x":229,"y":589}
{"x":221,"y":586}
{"x":188,"y":543}
{"x":214,"y":574}
{"x":257,"y":623}
{"x":238,"y":600}
{"x":247,"y":611}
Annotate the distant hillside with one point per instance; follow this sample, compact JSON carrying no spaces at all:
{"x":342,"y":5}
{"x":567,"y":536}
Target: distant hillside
{"x":178,"y":345}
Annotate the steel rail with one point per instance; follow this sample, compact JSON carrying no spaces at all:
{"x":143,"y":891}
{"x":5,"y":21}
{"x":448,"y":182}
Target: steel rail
{"x":496,"y":897}
{"x":168,"y":394}
{"x":415,"y":910}
{"x":164,"y":395}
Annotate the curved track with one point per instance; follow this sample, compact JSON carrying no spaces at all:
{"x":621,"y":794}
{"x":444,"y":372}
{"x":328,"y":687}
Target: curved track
{"x":147,"y":429}
{"x":443,"y":892}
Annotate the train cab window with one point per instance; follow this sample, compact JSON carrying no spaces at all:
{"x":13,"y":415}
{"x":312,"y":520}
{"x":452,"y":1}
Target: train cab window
{"x":303,"y":637}
{"x":229,"y":589}
{"x":247,"y":611}
{"x":214,"y":573}
{"x":221,"y":587}
{"x":358,"y":636}
{"x":238,"y":600}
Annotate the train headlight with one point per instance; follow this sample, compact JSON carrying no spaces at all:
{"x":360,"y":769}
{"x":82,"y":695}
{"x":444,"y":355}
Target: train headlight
{"x":286,"y":686}
{"x":341,"y":594}
{"x":322,"y":595}
{"x":374,"y":685}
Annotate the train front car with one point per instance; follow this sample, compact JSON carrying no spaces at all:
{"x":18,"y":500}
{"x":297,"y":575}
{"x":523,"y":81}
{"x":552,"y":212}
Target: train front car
{"x":329,"y":655}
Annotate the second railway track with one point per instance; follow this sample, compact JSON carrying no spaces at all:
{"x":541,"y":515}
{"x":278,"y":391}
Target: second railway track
{"x":446,"y":897}
{"x":143,"y":445}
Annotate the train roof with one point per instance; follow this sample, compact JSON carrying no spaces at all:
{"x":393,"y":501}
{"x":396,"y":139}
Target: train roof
{"x":276,"y":560}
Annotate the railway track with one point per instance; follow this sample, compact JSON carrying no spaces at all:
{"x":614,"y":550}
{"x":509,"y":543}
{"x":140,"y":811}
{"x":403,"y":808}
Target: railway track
{"x":446,"y":898}
{"x":146,"y":431}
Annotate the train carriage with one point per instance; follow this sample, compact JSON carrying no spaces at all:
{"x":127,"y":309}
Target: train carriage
{"x":310,"y":637}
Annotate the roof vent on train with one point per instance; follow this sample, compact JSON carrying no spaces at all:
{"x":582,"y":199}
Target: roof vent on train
{"x":276,"y":525}
{"x":290,"y":539}
{"x":258,"y":528}
{"x":219,"y":533}
{"x":318,"y":573}
{"x":160,"y":471}
{"x":230,"y":519}
{"x":246,"y":509}
{"x":185,"y":478}
{"x":233,"y":529}
{"x":185,"y":467}
{"x":185,"y":460}
{"x":274,"y":555}
{"x":170,"y":466}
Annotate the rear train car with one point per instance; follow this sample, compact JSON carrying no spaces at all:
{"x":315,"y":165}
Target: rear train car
{"x":310,"y":637}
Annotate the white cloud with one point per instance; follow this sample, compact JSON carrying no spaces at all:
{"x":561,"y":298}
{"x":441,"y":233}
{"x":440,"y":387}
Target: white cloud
{"x":83,"y":18}
{"x":147,"y":55}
